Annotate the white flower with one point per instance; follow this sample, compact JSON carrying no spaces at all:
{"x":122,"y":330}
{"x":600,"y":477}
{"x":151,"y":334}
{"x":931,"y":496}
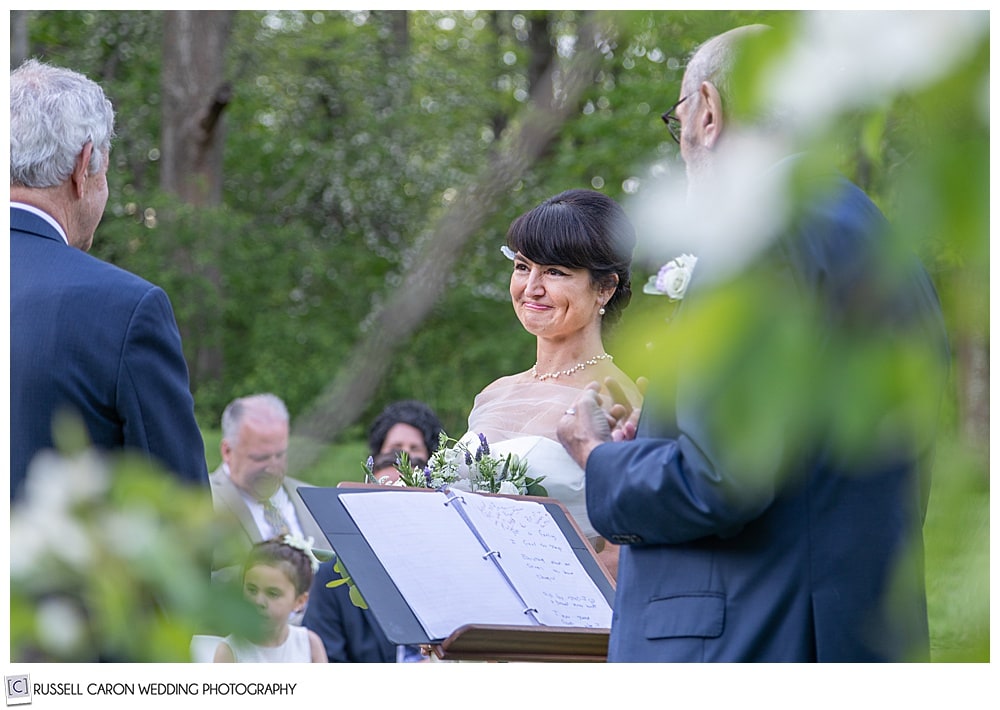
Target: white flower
{"x":508,"y":488}
{"x":130,"y":533}
{"x":58,"y":483}
{"x":468,"y":465}
{"x":673,"y":278}
{"x":60,"y":625}
{"x":306,"y":545}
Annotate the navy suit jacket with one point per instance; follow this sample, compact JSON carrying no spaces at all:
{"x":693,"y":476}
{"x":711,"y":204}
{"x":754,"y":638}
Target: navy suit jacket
{"x":822,"y":562}
{"x":350,"y":634}
{"x":91,"y":338}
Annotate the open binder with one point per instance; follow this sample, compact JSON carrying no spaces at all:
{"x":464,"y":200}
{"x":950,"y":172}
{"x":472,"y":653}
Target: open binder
{"x":474,"y":576}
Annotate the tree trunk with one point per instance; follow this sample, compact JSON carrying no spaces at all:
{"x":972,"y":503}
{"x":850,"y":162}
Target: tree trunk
{"x":398,"y":45}
{"x":18,"y":37}
{"x":540,"y":45}
{"x":195,"y":95}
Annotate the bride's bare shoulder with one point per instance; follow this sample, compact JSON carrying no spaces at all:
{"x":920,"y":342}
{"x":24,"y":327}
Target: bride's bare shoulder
{"x":507,"y":380}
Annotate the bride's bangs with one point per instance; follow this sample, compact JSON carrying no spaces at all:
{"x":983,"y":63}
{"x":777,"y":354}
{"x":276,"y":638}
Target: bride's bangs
{"x":553,"y":237}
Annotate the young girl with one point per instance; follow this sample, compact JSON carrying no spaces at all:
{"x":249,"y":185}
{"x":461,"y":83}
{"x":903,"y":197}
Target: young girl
{"x":276,"y":579}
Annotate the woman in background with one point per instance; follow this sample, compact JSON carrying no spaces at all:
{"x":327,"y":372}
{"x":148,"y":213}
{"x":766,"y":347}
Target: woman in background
{"x":408,"y":426}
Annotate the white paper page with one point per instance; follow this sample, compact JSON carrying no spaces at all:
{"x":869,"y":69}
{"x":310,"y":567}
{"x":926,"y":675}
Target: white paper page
{"x":434,"y":560}
{"x":539,"y":560}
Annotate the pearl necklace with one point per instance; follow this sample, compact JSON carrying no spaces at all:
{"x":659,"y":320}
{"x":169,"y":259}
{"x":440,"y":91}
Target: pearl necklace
{"x":576,"y":368}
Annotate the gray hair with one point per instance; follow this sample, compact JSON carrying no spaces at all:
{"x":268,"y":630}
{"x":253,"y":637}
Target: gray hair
{"x":237,"y":410}
{"x":713,"y":61}
{"x":54,"y":113}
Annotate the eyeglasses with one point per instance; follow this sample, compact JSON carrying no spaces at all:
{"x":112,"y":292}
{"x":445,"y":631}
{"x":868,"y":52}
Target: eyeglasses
{"x":674,"y":123}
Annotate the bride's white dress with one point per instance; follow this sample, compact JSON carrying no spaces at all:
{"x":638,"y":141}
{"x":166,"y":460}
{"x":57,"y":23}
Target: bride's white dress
{"x":522,"y":420}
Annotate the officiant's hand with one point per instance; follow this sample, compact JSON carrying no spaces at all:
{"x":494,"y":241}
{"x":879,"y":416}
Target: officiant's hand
{"x":585,"y":425}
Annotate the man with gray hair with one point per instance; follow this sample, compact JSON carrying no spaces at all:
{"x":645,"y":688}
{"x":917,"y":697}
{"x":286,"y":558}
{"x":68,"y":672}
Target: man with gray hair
{"x":88,"y":341}
{"x":769,"y":504}
{"x":251,"y":488}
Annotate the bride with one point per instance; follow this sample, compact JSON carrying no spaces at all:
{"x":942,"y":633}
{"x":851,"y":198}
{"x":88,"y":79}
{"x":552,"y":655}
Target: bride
{"x":572,"y":271}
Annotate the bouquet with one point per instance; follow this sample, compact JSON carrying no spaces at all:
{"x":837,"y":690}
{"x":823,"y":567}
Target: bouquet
{"x":456,"y":465}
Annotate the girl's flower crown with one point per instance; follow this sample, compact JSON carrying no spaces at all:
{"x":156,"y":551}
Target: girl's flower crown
{"x":306,"y":545}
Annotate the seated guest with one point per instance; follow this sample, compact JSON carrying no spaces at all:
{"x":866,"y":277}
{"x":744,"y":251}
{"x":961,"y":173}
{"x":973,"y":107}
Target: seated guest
{"x":251,"y":488}
{"x":276,"y":580}
{"x":408,"y":426}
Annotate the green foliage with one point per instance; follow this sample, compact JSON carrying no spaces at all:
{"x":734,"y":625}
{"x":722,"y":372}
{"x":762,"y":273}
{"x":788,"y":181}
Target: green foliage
{"x":112,"y":563}
{"x":956,"y":537}
{"x":330,"y":177}
{"x":345,"y":140}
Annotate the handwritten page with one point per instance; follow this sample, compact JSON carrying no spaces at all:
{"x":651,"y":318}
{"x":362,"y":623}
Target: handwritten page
{"x":447,"y":576}
{"x":434,"y":560}
{"x":540,"y":561}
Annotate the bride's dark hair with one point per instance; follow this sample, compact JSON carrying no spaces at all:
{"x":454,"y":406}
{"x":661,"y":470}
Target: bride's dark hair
{"x":581,"y":229}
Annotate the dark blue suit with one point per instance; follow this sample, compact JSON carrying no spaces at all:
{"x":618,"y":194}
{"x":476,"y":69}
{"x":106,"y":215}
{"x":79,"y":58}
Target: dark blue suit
{"x":93,"y":339}
{"x":350,"y":634}
{"x":821,"y":560}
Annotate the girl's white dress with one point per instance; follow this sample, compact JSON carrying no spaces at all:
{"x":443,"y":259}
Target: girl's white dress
{"x":521,"y":419}
{"x":295,"y":649}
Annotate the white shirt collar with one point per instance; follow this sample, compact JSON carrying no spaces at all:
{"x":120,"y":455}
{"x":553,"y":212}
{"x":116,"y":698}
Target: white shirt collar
{"x":280,"y":499}
{"x":44,"y":215}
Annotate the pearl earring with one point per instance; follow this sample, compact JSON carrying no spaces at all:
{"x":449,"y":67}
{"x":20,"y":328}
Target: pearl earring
{"x":601,"y":310}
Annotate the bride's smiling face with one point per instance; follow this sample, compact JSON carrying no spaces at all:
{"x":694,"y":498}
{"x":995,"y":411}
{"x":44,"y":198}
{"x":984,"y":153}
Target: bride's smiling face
{"x":553,"y":301}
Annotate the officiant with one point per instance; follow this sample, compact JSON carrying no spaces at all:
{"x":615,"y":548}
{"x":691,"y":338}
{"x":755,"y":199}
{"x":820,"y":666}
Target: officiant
{"x":796,"y":535}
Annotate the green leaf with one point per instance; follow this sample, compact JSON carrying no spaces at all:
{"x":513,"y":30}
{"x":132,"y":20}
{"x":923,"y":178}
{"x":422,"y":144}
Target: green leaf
{"x":323,"y":555}
{"x":357,"y":599}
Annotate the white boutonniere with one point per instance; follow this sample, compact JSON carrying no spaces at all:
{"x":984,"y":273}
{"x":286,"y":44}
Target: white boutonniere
{"x":673,"y":278}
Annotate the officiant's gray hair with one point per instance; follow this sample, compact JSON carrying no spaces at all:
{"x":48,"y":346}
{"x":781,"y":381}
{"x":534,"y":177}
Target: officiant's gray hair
{"x":714,"y":61}
{"x":581,"y":229}
{"x":235,"y":411}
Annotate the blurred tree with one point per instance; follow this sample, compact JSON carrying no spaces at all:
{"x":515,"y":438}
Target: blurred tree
{"x":195,"y":95}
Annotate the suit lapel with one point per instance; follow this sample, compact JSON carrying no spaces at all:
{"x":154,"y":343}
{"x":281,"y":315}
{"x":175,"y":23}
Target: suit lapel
{"x":230,"y":496}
